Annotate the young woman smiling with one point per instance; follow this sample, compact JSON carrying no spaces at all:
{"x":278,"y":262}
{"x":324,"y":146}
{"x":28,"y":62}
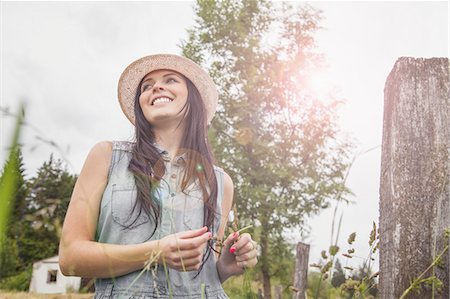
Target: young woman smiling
{"x":159,"y":198}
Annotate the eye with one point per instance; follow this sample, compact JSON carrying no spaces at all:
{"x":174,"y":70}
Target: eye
{"x":145,"y":86}
{"x":170,"y":80}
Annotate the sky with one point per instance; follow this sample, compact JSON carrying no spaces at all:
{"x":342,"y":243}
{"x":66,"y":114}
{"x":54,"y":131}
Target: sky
{"x":63,"y":59}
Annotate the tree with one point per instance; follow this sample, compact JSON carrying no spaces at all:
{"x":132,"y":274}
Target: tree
{"x":272,"y":134}
{"x":338,"y":276}
{"x":38,"y":209}
{"x":47,"y":203}
{"x":9,"y":255}
{"x":368,"y":282}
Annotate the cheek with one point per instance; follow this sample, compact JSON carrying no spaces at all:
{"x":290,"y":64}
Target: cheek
{"x":142,"y":100}
{"x":184,"y":93}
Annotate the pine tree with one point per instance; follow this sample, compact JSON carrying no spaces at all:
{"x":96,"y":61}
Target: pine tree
{"x":10,"y":262}
{"x":338,"y":276}
{"x":47,"y":203}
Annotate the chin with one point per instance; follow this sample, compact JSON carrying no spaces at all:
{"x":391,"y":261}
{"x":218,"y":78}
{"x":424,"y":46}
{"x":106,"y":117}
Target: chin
{"x":161,"y":118}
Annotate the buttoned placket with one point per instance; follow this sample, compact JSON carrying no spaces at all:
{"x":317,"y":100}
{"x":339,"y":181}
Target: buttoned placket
{"x":173,"y":172}
{"x":171,"y":180}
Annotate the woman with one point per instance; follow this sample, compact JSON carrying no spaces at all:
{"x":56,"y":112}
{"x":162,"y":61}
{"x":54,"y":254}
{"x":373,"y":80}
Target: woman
{"x":159,"y":201}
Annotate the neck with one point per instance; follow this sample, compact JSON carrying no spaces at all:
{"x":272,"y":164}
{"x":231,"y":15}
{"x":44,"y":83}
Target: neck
{"x":169,"y":139}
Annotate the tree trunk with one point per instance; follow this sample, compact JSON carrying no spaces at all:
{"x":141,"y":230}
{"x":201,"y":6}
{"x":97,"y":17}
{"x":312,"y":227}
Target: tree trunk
{"x":265,"y":267}
{"x":415,"y":172}
{"x":301,"y":271}
{"x":266,"y":284}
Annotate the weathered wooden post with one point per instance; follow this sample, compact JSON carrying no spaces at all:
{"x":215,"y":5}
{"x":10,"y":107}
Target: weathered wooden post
{"x":415,"y":172}
{"x":278,"y":292}
{"x":301,"y":271}
{"x":260,"y":294}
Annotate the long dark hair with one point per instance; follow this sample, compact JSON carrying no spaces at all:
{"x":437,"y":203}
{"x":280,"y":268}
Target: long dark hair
{"x":147,"y":164}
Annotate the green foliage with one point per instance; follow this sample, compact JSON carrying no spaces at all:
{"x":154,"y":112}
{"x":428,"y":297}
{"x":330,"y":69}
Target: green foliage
{"x":49,"y":196}
{"x":361,"y":283}
{"x":338,"y":277}
{"x":17,"y":282}
{"x":242,"y":287}
{"x":318,"y":288}
{"x":50,"y":192}
{"x":272,"y":133}
{"x":36,"y":215}
{"x":9,"y":258}
{"x":9,"y":181}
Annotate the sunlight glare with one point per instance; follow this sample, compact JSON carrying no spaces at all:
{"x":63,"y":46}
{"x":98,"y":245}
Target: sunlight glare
{"x":320,"y":83}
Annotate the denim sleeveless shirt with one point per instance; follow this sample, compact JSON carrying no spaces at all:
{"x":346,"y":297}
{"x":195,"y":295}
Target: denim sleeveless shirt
{"x":119,"y":224}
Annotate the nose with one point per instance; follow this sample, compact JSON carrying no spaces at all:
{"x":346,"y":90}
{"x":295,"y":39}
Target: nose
{"x":157,"y":87}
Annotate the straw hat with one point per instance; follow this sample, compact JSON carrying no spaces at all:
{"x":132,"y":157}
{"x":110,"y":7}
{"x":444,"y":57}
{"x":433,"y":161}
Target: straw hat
{"x":136,"y":71}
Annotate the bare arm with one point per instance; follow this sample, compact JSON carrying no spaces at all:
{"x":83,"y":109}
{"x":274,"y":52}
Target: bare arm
{"x":227,"y":203}
{"x":78,"y":252}
{"x":244,"y":252}
{"x":81,"y":255}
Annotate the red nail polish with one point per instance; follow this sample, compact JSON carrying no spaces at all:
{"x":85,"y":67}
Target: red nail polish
{"x":235,"y":234}
{"x":232,"y":250}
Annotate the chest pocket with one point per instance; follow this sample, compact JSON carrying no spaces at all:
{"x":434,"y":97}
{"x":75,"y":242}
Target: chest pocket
{"x":193,"y":208}
{"x":123,"y":199}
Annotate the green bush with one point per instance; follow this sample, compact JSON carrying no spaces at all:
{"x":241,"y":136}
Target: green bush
{"x":243,"y":286}
{"x":18,"y":282}
{"x":318,"y":288}
{"x":9,"y":258}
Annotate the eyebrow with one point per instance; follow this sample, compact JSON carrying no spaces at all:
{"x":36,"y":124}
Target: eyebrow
{"x":166,"y":75}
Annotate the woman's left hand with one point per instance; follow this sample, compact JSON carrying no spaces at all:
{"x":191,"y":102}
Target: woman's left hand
{"x":238,"y":253}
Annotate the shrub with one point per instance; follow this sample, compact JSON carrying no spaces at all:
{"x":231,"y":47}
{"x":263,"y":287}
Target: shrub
{"x":18,"y":282}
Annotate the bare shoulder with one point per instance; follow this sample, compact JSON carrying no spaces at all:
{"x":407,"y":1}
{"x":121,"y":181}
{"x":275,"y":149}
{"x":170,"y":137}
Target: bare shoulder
{"x":102,"y":149}
{"x":82,"y":213}
{"x":227,"y":203}
{"x":98,"y":159}
{"x":227,"y":181}
{"x":228,"y":190}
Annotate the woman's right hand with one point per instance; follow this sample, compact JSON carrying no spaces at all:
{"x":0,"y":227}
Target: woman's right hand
{"x":183,"y":251}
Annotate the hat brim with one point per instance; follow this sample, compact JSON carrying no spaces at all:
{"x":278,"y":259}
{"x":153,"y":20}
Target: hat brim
{"x":136,"y":71}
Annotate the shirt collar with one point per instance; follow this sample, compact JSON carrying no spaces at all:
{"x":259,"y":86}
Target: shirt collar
{"x":181,"y":159}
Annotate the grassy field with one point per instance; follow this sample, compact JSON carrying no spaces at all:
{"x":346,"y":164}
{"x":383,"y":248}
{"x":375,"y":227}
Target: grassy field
{"x":24,"y":295}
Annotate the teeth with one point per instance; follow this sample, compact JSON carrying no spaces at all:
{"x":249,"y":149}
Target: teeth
{"x":161,"y":100}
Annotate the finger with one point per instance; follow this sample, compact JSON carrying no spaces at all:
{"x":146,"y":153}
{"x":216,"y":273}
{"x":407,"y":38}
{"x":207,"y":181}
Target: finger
{"x":193,"y":263}
{"x":192,"y":233}
{"x":178,"y":257}
{"x":187,"y":264}
{"x":230,"y":240}
{"x":249,"y":247}
{"x":198,"y":242}
{"x":246,"y":256}
{"x":243,"y":241}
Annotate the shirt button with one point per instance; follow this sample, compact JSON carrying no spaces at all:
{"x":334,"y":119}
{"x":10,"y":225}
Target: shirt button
{"x":173,"y":176}
{"x":172,"y":194}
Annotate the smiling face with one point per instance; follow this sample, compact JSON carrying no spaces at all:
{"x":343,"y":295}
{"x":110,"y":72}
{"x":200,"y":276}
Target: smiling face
{"x":163,"y":97}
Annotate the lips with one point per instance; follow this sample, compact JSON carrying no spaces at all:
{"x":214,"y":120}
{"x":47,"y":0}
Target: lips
{"x":161,"y":99}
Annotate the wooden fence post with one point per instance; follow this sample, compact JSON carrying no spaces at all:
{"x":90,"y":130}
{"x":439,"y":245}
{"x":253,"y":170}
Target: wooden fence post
{"x":278,"y":292}
{"x":260,"y":294}
{"x":301,"y":271}
{"x":415,"y":172}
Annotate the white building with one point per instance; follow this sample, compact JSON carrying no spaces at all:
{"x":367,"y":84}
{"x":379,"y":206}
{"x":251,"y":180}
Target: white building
{"x":48,"y":279}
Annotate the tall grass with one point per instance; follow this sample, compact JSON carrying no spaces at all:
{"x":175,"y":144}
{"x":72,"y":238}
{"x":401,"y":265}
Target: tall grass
{"x":8,"y":180}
